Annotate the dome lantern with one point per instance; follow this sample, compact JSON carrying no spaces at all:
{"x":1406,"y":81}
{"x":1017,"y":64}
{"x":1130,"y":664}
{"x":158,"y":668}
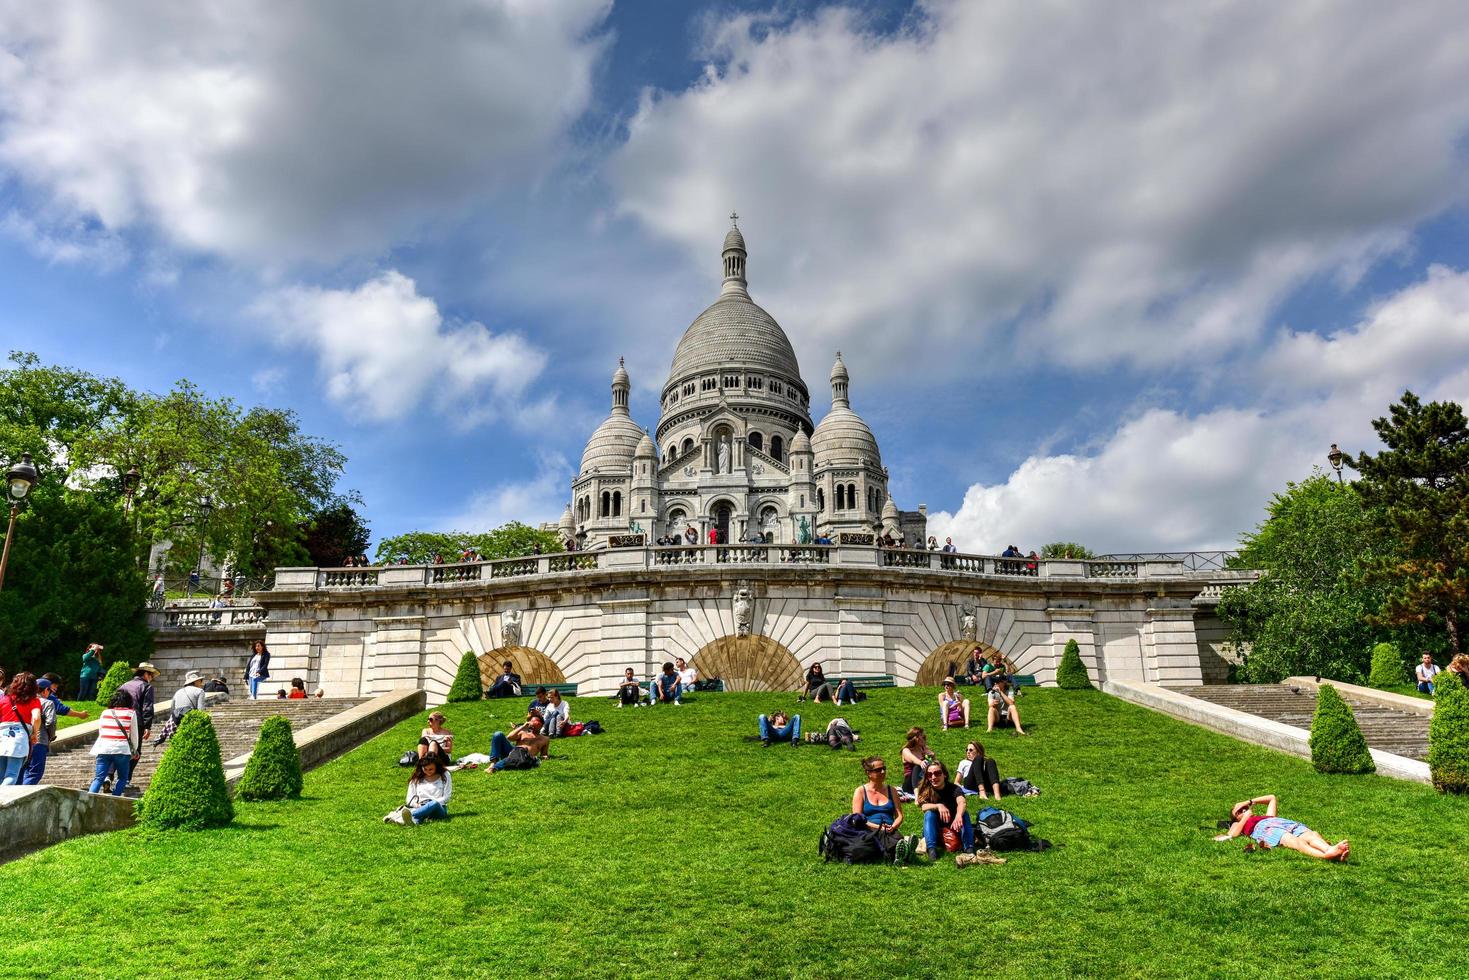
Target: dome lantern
{"x":734,"y":255}
{"x":839,"y":379}
{"x":621,"y":386}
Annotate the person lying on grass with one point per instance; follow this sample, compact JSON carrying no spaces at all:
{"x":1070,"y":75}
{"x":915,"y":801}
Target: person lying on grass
{"x":779,"y":727}
{"x":1002,"y":706}
{"x":977,"y":773}
{"x":953,"y":710}
{"x":1276,"y":831}
{"x":527,"y":733}
{"x":943,"y":807}
{"x":429,"y":789}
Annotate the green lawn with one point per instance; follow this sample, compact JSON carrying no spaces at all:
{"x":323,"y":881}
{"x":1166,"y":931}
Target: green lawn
{"x":670,"y":846}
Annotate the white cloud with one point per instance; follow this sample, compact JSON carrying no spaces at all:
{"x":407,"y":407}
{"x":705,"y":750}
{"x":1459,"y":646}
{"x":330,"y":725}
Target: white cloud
{"x":277,"y":130}
{"x":532,"y":501}
{"x":65,"y":242}
{"x":1166,"y":480}
{"x":383,"y":349}
{"x":1088,"y":183}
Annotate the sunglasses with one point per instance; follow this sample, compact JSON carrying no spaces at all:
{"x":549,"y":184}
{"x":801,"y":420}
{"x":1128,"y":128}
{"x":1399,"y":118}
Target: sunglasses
{"x":878,"y":769}
{"x":935,"y":775}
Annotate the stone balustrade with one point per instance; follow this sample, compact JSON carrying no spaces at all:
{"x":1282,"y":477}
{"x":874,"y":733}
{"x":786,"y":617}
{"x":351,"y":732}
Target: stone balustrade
{"x":192,"y":617}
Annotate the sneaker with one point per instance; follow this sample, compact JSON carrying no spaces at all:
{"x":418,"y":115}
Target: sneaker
{"x":986,"y":856}
{"x":965,"y":860}
{"x":903,"y":851}
{"x":619,"y":704}
{"x":397,"y":816}
{"x":933,"y":855}
{"x":678,"y":702}
{"x":765,"y":742}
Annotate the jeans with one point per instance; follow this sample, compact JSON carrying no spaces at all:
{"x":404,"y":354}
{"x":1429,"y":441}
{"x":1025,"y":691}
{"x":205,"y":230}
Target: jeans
{"x":847,"y":691}
{"x":10,"y":769}
{"x":254,"y":688}
{"x":36,"y":767}
{"x":933,"y":831}
{"x":790,"y":732}
{"x":1425,"y":687}
{"x":654,"y":689}
{"x":120,"y":765}
{"x":499,"y":746}
{"x":433,"y":810}
{"x":87,"y":689}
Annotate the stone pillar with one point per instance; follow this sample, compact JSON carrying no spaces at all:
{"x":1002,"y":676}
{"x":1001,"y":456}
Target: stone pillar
{"x":1171,"y":647}
{"x":1072,"y":624}
{"x":397,"y":655}
{"x":623,"y":642}
{"x":860,"y":635}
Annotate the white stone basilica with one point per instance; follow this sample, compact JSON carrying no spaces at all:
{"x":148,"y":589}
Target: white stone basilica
{"x":735,"y":448}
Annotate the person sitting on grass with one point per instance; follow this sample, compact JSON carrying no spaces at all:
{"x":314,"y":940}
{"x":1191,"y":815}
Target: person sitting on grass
{"x":846,"y":692}
{"x":665,"y":688}
{"x":992,"y":670}
{"x":977,"y":774}
{"x":629,"y":692}
{"x":943,"y":808}
{"x":687,"y":676}
{"x":539,"y":702}
{"x":298,"y":689}
{"x":1002,"y":706}
{"x":1276,"y":831}
{"x":429,"y":790}
{"x":816,"y":684}
{"x":953,"y":710}
{"x":528,"y":733}
{"x":780,"y":727}
{"x":436,"y":740}
{"x":875,"y":801}
{"x":507,"y":685}
{"x":556,"y":714}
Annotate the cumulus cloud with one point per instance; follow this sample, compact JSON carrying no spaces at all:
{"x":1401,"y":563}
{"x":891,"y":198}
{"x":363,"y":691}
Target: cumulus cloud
{"x":278,"y":130}
{"x":383,"y":349}
{"x":532,"y":501}
{"x":1110,"y":182}
{"x":1166,"y":480}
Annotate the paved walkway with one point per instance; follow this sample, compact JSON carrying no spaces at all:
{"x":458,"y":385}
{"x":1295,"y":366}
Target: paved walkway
{"x":1388,"y":729}
{"x":237,"y":723}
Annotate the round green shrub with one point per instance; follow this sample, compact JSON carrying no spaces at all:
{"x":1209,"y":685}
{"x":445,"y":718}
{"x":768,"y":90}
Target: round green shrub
{"x":1448,"y":736}
{"x":188,"y":791}
{"x":1337,"y":744}
{"x":1071,"y":674}
{"x":274,"y":769}
{"x":466,"y":686}
{"x":1388,"y":669}
{"x":117,"y":675}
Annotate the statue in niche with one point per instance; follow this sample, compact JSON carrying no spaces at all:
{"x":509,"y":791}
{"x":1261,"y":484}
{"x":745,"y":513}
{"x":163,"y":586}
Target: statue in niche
{"x":723,"y":456}
{"x":804,"y":534}
{"x":744,"y":610}
{"x":968,"y":625}
{"x":510,"y":628}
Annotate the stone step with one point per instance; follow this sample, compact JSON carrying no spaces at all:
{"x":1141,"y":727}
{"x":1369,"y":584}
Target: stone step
{"x":1389,"y":729}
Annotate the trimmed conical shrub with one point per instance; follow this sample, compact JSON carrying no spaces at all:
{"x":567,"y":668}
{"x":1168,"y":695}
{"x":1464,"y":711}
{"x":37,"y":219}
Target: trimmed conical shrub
{"x":274,"y":769}
{"x":188,"y":791}
{"x":117,"y":675}
{"x":1387,"y":667}
{"x":466,"y":686}
{"x":1448,"y":736}
{"x":1071,"y":674}
{"x":1337,"y":744}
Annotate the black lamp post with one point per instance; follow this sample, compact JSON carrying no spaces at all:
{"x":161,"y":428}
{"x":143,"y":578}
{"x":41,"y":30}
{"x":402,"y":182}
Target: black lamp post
{"x":19,"y":480}
{"x":206,"y":508}
{"x":1334,"y":458}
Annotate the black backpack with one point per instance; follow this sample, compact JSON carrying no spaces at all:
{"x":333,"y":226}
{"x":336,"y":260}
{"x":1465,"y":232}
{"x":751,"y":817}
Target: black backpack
{"x":851,"y":841}
{"x":520,"y":758}
{"x":1002,"y":830}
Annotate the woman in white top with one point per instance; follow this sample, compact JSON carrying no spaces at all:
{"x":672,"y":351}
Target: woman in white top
{"x":436,"y":740}
{"x":556,"y":714}
{"x":118,"y":741}
{"x":429,"y":790}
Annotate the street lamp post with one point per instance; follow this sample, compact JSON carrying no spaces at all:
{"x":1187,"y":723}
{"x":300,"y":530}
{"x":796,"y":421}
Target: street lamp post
{"x":130,"y":481}
{"x":206,"y":508}
{"x":1334,"y":458}
{"x":19,"y":480}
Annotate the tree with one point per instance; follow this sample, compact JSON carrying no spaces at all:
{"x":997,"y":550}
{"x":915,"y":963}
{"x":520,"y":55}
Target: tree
{"x":188,"y":790}
{"x":513,"y":540}
{"x":1066,"y":549}
{"x":335,"y":534}
{"x":1071,"y":673}
{"x":467,"y":685}
{"x":1337,"y":744}
{"x":1448,"y":736}
{"x":274,"y":769}
{"x":117,"y":675}
{"x":1421,"y":482}
{"x":1387,"y":666}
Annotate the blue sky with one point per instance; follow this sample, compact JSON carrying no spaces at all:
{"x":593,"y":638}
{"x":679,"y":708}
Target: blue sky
{"x":1110,"y":274}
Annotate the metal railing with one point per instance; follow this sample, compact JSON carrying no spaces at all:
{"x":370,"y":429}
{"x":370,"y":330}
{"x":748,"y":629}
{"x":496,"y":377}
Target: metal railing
{"x":1193,"y":561}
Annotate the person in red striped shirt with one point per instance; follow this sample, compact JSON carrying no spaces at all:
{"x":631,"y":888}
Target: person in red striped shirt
{"x":118,"y":744}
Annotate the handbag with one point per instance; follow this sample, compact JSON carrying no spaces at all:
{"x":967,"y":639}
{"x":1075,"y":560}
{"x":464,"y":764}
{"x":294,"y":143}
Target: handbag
{"x":952,"y":840}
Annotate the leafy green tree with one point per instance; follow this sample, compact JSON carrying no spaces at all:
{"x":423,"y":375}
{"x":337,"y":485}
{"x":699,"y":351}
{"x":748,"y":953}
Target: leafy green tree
{"x":188,"y":791}
{"x":1448,"y":736}
{"x":335,"y":534}
{"x":1387,"y":666}
{"x":117,"y":675}
{"x":513,"y":540}
{"x":1337,"y":744}
{"x":1421,"y":482}
{"x":1071,"y":672}
{"x":1066,"y":549}
{"x":274,"y":769}
{"x":467,"y":686}
{"x":72,"y":580}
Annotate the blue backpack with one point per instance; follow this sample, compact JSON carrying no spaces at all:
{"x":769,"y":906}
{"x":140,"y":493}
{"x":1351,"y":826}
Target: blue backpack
{"x":1002,"y":830}
{"x":851,"y":841}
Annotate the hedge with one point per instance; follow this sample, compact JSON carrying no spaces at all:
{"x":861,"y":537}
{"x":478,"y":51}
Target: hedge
{"x":1387,"y":667}
{"x":1448,"y":735}
{"x":1071,"y":674}
{"x":117,"y":675}
{"x":188,"y":791}
{"x":467,"y":686}
{"x":1337,"y":744}
{"x":274,"y":769}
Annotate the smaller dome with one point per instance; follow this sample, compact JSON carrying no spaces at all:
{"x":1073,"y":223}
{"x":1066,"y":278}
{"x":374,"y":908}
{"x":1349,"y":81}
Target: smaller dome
{"x":734,"y":239}
{"x":645,"y":446}
{"x":801,"y":443}
{"x":842,"y":437}
{"x":619,"y":377}
{"x":890,"y":512}
{"x":612,"y":447}
{"x":567,"y":526}
{"x":839,"y":369}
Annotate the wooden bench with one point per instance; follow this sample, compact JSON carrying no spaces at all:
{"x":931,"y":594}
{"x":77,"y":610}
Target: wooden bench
{"x":1024,"y":680}
{"x":865,"y":683}
{"x":567,"y":690}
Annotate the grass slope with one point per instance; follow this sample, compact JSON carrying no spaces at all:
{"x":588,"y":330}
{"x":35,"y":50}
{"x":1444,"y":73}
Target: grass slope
{"x":671,"y":847}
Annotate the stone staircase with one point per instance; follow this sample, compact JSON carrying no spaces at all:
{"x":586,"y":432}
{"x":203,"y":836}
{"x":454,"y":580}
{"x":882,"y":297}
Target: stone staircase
{"x":237,"y":723}
{"x":1400,"y":732}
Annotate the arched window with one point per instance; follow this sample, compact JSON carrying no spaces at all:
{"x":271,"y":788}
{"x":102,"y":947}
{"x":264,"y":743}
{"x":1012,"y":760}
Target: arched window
{"x":820,"y":499}
{"x":606,"y":504}
{"x":776,"y":448}
{"x":617,"y":503}
{"x":757,"y":440}
{"x":852,"y":495}
{"x":672,"y":452}
{"x":688,"y":444}
{"x":676,"y":517}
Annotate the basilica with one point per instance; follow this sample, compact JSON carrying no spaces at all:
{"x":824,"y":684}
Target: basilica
{"x":735,"y":450}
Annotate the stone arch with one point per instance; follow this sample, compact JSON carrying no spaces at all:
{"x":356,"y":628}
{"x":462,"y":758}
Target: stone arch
{"x":533,"y":666}
{"x":936,"y":665}
{"x":749,"y":663}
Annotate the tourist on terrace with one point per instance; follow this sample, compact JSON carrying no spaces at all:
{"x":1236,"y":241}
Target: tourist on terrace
{"x":933,"y":543}
{"x":118,"y":742}
{"x":91,"y":672}
{"x":48,"y":687}
{"x":949,"y":546}
{"x":298,"y":689}
{"x":436,"y":740}
{"x":780,"y":727}
{"x":1276,"y":831}
{"x":257,"y":668}
{"x":953,"y":709}
{"x":874,"y":800}
{"x":429,"y":790}
{"x":507,"y":685}
{"x":190,"y":697}
{"x":556,"y":714}
{"x":816,"y":685}
{"x":1002,"y":705}
{"x":943,"y":808}
{"x":140,"y":691}
{"x":630,"y":691}
{"x":687,"y":676}
{"x":21,"y":722}
{"x":1425,"y":673}
{"x":977,"y":774}
{"x":916,"y":757}
{"x":690,"y":536}
{"x":665,"y":688}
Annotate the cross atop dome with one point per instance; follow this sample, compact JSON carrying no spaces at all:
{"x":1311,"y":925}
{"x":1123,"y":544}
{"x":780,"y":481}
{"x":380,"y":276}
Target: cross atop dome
{"x":734,"y":219}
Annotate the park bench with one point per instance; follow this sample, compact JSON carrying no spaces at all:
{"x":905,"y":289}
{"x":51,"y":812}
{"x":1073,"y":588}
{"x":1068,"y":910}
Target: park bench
{"x":865,"y":683}
{"x":1024,"y":680}
{"x":567,"y":690}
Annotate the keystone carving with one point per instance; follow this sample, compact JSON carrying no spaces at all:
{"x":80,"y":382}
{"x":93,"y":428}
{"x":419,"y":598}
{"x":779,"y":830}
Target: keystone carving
{"x":968,"y":625}
{"x":744,"y":610}
{"x":510,"y":628}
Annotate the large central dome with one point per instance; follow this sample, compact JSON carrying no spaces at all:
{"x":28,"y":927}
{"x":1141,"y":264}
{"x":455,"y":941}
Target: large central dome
{"x":734,"y":332}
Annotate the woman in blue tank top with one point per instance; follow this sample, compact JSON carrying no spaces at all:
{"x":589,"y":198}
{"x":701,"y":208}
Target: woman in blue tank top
{"x":874,"y":799}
